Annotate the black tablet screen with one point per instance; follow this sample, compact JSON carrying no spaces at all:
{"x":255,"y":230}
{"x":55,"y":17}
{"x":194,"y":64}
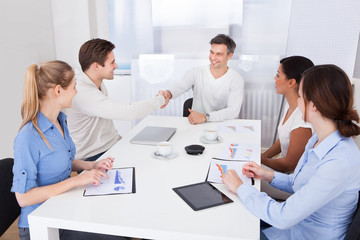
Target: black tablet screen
{"x":202,"y":195}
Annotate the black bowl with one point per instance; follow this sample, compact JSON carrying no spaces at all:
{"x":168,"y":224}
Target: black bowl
{"x":194,"y":149}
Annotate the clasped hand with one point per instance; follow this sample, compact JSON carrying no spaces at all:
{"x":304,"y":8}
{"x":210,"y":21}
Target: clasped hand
{"x":167,"y":95}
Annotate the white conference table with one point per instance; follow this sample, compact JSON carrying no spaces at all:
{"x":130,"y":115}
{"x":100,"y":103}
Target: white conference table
{"x":155,"y":211}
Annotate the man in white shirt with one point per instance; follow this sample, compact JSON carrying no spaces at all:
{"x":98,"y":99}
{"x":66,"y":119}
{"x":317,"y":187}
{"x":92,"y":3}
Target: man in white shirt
{"x":90,"y":118}
{"x":217,"y":89}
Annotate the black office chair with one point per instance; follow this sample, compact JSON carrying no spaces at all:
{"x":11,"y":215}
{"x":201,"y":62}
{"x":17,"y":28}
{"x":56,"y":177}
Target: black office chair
{"x":353,"y":232}
{"x":9,"y":208}
{"x":187,"y":104}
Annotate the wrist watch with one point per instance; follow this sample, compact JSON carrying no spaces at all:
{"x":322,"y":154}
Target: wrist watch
{"x":207,"y":116}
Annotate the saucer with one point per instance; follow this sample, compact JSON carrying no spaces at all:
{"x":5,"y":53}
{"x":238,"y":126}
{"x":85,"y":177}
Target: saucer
{"x":204,"y":140}
{"x":158,"y":156}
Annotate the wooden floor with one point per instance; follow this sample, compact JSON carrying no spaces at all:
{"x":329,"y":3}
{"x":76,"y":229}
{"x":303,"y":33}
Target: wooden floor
{"x":12,"y":233}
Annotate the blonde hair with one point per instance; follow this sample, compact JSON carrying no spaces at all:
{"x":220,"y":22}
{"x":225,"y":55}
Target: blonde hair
{"x":38,"y":79}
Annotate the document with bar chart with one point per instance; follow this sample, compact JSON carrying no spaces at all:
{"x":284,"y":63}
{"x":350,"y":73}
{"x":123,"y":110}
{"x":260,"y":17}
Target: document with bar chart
{"x":121,"y":180}
{"x":240,"y":151}
{"x":218,"y":168}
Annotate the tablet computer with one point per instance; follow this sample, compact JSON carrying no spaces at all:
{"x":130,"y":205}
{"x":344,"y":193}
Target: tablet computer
{"x":152,"y":135}
{"x":202,"y":195}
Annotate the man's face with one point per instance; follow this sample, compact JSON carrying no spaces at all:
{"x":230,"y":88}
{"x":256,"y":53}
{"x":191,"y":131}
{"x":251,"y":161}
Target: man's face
{"x":218,"y":56}
{"x":107,"y":71}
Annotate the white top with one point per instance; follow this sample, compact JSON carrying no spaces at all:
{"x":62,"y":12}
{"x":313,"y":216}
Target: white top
{"x":90,"y":118}
{"x":221,"y":98}
{"x":294,"y":121}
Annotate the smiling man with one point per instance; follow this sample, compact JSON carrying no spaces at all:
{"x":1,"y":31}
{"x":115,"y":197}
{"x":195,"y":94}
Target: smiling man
{"x":217,"y":89}
{"x":90,"y":118}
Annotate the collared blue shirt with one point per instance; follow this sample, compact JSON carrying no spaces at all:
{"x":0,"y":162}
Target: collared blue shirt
{"x":35,"y":164}
{"x":325,"y":184}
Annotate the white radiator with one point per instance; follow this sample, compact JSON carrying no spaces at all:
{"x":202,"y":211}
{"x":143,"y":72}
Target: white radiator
{"x":263,"y":104}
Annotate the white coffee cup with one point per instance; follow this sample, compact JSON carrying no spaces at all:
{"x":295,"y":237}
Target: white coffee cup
{"x":210,"y":134}
{"x":164,"y":148}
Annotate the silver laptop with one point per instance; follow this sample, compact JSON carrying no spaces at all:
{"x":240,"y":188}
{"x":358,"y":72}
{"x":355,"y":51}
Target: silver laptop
{"x":151,"y":135}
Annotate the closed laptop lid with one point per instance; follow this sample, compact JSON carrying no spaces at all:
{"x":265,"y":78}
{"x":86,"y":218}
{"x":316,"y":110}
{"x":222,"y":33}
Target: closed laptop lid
{"x":152,"y":135}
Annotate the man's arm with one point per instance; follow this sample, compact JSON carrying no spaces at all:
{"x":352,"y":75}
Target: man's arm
{"x":95,"y":103}
{"x":179,"y":87}
{"x":184,"y":84}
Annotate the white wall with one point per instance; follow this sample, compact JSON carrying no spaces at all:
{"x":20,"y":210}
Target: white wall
{"x":35,"y":31}
{"x":326,"y":31}
{"x":26,"y":38}
{"x":76,"y":22}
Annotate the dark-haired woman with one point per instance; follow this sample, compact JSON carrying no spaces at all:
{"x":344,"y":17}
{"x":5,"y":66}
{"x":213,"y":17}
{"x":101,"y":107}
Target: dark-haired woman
{"x":293,"y":131}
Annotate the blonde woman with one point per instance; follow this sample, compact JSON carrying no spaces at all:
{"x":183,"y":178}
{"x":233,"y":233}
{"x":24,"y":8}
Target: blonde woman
{"x":43,"y":149}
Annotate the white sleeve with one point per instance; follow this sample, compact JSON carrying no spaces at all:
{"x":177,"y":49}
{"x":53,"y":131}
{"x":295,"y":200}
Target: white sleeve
{"x":299,"y":122}
{"x":234,"y":102}
{"x":93,"y":102}
{"x":184,"y":84}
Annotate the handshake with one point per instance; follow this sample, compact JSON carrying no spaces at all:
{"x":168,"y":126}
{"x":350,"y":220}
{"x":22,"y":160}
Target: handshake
{"x":194,"y":116}
{"x":167,"y":95}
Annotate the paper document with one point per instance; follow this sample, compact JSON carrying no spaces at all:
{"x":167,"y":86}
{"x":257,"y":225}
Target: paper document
{"x":121,"y":180}
{"x":218,"y":168}
{"x":238,"y":128}
{"x":240,"y":151}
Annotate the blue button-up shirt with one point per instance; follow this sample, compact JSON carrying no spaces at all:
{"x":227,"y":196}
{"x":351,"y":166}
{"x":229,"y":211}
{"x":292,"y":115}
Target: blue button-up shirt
{"x":325,"y":184}
{"x":38,"y":165}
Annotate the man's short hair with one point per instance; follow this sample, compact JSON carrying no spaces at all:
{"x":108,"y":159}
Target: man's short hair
{"x":224,"y":39}
{"x":94,"y":50}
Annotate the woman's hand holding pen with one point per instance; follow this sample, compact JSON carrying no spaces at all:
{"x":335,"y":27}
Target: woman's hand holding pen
{"x":253,"y":170}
